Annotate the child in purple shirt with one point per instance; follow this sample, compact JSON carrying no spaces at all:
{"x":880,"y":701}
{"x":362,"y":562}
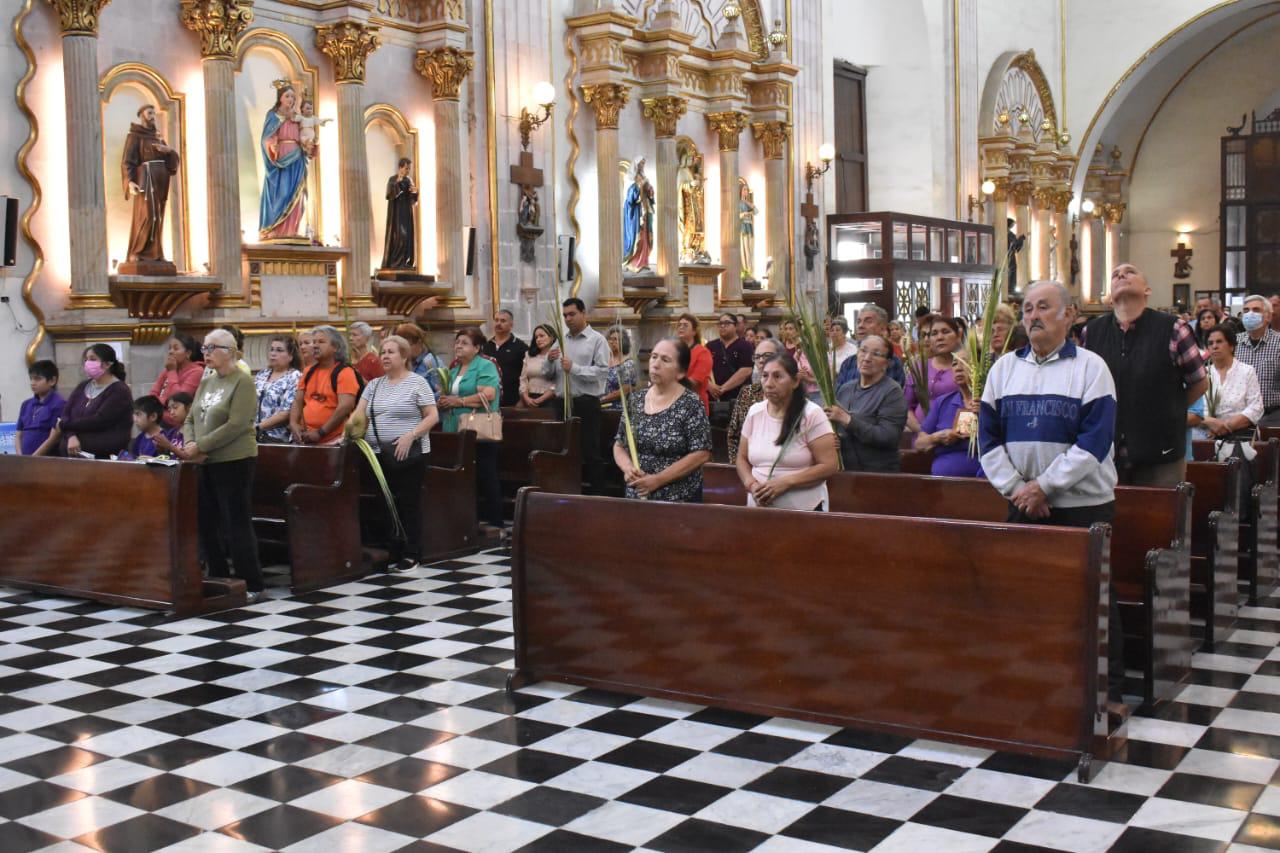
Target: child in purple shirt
{"x":38,"y":415}
{"x":152,"y":438}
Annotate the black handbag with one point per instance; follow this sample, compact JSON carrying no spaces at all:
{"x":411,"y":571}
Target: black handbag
{"x":387,"y":449}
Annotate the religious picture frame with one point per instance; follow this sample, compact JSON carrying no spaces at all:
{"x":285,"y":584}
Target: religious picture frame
{"x":966,"y":423}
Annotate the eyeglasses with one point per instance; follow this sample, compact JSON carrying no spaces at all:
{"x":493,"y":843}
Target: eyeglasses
{"x":208,"y":348}
{"x":726,"y":323}
{"x":761,"y":359}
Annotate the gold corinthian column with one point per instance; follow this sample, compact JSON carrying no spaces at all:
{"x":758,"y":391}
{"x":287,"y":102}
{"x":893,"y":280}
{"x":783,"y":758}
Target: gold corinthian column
{"x":729,"y":125}
{"x":87,"y":209}
{"x":608,"y":99}
{"x":219,"y":24}
{"x":665,"y":113}
{"x":773,"y":137}
{"x":348,"y":44}
{"x":447,"y":68}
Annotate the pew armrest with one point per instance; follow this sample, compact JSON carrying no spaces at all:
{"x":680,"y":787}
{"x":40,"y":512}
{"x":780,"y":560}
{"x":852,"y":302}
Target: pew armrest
{"x":1167,"y":658}
{"x":555,"y":472}
{"x":324,"y":532}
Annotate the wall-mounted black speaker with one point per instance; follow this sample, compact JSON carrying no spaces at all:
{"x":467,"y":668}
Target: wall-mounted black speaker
{"x":567,"y":246}
{"x":9,"y":214}
{"x":469,"y":239}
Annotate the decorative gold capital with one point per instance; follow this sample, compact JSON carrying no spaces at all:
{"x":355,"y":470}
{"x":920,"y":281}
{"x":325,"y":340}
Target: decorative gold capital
{"x":664,"y":113}
{"x":729,"y":124}
{"x":446,"y":68}
{"x":607,"y":99}
{"x":1021,"y":192}
{"x":348,"y":44}
{"x":1113,"y":212}
{"x":1045,"y":197}
{"x":219,"y":23}
{"x":78,"y":17}
{"x":1002,"y":189}
{"x":773,"y":136}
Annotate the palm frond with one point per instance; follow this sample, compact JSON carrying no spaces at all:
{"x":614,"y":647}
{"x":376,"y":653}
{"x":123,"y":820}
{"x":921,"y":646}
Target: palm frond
{"x":817,"y":349}
{"x":977,"y":349}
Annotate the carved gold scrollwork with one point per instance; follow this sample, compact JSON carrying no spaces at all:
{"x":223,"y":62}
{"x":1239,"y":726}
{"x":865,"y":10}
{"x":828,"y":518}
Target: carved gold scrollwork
{"x":219,"y":23}
{"x":773,"y":137}
{"x":1021,"y":192}
{"x":729,"y":125}
{"x":665,"y":114}
{"x":1113,"y":212}
{"x":446,"y":68}
{"x":607,"y":99}
{"x":348,"y":44}
{"x":78,"y":17}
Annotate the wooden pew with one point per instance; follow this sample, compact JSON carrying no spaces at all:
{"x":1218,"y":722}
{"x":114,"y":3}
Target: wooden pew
{"x":135,"y":543}
{"x":308,"y":500}
{"x":1215,"y":546}
{"x":916,"y":461}
{"x":995,"y":652}
{"x":516,"y":413}
{"x":1150,"y":550}
{"x":448,"y":502}
{"x":542,"y":453}
{"x":1259,"y":549}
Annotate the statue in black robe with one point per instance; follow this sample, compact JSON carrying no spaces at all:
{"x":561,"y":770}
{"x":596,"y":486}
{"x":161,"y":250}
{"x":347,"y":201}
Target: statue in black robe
{"x":400,"y":248}
{"x":146,"y":166}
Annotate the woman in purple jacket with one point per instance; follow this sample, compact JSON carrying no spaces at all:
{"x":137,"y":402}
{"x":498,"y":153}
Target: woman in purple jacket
{"x":98,"y":417}
{"x":951,"y":455}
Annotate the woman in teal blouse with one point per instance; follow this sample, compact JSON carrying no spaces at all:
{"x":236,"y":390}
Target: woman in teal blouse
{"x":473,"y":385}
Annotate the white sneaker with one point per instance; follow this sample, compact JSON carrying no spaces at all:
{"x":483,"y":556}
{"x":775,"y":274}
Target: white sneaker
{"x":402,"y":565}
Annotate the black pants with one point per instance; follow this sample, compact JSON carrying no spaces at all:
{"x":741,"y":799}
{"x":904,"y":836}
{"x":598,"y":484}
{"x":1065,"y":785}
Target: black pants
{"x":488,"y":487}
{"x":1084,"y":516}
{"x":587,"y":410}
{"x":405,"y":482}
{"x":225,"y":505}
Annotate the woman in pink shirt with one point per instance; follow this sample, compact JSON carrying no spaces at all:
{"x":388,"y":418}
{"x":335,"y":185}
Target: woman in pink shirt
{"x":182,"y":372}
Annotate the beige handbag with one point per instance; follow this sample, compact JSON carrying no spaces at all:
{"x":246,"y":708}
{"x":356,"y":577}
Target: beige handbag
{"x":487,"y":425}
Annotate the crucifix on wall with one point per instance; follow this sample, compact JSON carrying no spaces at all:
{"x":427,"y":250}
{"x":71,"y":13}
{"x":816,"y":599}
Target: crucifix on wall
{"x":1182,"y":261}
{"x":529,"y":210}
{"x":812,"y":236}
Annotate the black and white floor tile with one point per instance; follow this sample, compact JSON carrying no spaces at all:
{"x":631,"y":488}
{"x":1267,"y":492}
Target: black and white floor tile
{"x":372,"y":717}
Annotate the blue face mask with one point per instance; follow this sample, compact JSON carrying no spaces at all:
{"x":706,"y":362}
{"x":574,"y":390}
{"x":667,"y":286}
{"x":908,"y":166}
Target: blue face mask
{"x":1251,"y":321}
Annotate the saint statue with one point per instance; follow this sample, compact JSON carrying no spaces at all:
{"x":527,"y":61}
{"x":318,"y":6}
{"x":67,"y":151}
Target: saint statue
{"x":747,"y":216}
{"x":637,"y":222}
{"x":812,"y":243}
{"x":528,"y":221}
{"x":690,"y":208}
{"x":399,"y":250}
{"x":285,"y":156}
{"x":145,"y":168}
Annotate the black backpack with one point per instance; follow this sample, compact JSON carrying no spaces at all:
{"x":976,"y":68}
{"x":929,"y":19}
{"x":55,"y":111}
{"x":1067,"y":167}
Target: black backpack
{"x":338,"y":367}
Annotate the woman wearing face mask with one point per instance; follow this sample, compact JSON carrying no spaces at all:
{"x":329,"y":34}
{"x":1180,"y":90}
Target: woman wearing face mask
{"x":98,"y":417}
{"x":672,"y":433}
{"x":751,"y":393}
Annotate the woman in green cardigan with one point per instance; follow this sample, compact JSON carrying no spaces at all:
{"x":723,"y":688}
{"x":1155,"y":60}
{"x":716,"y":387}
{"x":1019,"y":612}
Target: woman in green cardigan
{"x":473,"y":385}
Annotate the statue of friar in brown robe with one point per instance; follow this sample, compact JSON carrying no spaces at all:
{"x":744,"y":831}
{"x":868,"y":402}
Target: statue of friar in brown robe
{"x":146,"y":167}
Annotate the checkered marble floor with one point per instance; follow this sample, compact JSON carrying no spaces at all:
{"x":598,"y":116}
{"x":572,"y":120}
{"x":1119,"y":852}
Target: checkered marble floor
{"x":372,"y":717}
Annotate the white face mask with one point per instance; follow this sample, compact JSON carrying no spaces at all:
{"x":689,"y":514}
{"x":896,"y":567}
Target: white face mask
{"x":1251,"y":321}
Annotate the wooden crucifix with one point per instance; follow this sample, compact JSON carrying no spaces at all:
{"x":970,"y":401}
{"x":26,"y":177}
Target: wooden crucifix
{"x":529,"y":210}
{"x":1182,"y":261}
{"x":812,"y":236}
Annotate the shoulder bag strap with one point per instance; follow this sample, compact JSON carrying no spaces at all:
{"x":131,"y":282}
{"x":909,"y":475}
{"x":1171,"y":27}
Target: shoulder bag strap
{"x":373,"y":420}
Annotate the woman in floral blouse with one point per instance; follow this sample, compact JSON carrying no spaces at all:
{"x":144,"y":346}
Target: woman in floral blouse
{"x":672,"y":433}
{"x":277,"y":386}
{"x":622,"y":371}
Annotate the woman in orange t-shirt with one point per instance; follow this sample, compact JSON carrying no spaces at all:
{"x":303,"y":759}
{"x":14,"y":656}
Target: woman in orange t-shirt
{"x":699,"y":373}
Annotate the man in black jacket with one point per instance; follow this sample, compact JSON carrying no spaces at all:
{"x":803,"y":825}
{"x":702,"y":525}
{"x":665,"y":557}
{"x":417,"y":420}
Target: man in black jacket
{"x":1158,"y":371}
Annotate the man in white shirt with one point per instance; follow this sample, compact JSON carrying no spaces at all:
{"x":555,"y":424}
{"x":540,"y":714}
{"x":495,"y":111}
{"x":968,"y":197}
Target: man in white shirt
{"x":586,"y":360}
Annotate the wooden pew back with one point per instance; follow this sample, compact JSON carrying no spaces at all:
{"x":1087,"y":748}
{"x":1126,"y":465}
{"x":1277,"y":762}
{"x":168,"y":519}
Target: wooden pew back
{"x":1215,"y":546}
{"x":791,"y":626}
{"x":145,"y":555}
{"x":315,"y":492}
{"x":543,"y":453}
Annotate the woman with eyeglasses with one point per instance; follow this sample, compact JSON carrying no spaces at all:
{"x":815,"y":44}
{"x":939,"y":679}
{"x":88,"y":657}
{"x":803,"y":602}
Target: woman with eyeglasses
{"x":751,"y":393}
{"x":870,"y":412}
{"x":219,"y":435}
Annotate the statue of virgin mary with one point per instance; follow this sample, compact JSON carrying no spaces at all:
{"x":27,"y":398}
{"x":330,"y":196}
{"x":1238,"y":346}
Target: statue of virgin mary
{"x":637,"y":222}
{"x":284,"y":156}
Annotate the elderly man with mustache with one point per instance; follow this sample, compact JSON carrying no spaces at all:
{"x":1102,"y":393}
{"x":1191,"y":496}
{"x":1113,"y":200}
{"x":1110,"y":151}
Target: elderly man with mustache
{"x":1159,"y":373}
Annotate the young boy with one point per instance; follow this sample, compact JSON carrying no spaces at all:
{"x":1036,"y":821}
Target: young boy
{"x":39,"y":414}
{"x":152,"y":438}
{"x":179,"y":405}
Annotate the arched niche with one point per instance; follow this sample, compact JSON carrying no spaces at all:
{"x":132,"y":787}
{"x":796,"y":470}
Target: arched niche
{"x":123,"y":90}
{"x":1016,"y":84}
{"x":263,"y":58}
{"x":704,"y":20}
{"x":388,"y":137}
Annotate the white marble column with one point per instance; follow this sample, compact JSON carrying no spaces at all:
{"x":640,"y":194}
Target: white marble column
{"x":1043,"y":223}
{"x":665,"y":112}
{"x":1062,"y":223}
{"x":999,"y":217}
{"x":729,"y":126}
{"x":219,"y":24}
{"x":1022,"y":216}
{"x":447,"y":68}
{"x":86,"y":204}
{"x":608,"y":99}
{"x":773,"y":136}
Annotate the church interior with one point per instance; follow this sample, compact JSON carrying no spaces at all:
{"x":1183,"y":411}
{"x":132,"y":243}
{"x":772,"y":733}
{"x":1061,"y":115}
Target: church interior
{"x":176,"y":166}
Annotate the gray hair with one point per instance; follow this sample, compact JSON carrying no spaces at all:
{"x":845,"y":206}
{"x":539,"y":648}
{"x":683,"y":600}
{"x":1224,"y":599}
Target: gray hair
{"x":879,"y":312}
{"x":1064,"y":295}
{"x":223,"y":338}
{"x":1257,"y":297}
{"x":365,"y":329}
{"x":882,"y":339}
{"x":506,"y":311}
{"x":772,"y":343}
{"x":335,"y":338}
{"x":841,"y":322}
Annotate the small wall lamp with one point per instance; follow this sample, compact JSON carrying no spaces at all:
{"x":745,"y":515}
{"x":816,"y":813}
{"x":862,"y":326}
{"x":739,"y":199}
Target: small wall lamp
{"x":544,"y":95}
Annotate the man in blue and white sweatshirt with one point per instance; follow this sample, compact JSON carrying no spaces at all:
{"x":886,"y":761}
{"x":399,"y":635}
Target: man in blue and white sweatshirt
{"x":1047,"y":423}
